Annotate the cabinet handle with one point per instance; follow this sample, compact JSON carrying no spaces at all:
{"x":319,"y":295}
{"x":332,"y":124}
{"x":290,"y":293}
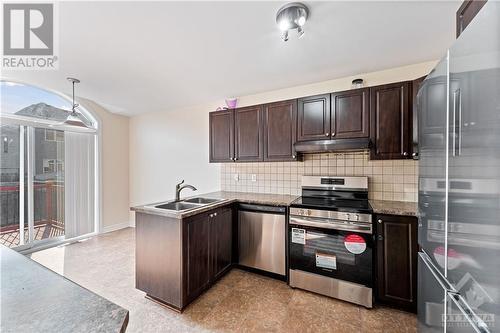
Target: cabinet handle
{"x":294,"y":157}
{"x":379,"y":221}
{"x":215,"y":214}
{"x":380,"y":237}
{"x":327,"y":134}
{"x":405,"y":154}
{"x":235,"y":159}
{"x":211,"y":215}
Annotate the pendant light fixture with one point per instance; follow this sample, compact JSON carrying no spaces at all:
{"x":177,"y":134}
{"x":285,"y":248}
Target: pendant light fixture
{"x":74,"y":118}
{"x":292,"y":16}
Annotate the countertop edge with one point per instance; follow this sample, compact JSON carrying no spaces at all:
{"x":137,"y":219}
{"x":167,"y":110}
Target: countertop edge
{"x":389,"y":207}
{"x":227,"y":199}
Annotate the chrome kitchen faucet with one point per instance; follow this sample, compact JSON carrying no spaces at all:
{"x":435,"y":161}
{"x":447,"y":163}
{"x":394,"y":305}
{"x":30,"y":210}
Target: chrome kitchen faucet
{"x":179,"y":187}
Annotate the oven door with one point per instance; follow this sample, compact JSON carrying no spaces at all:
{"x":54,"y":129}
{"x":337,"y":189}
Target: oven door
{"x":318,"y":246}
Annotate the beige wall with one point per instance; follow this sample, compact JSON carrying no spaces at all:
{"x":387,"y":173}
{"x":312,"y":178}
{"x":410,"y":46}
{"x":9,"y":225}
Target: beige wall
{"x":168,"y":146}
{"x":114,"y":166}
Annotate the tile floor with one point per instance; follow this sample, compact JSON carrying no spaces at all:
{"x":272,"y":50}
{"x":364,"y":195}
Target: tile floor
{"x":239,"y":302}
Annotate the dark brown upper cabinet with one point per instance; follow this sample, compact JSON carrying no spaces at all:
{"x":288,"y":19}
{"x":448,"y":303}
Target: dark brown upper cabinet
{"x":313,"y":118}
{"x":466,"y":13}
{"x":415,"y":86}
{"x":248,"y":134}
{"x":350,"y":114}
{"x":221,"y":136}
{"x":280,"y":127}
{"x":397,"y":261}
{"x":390,"y":121}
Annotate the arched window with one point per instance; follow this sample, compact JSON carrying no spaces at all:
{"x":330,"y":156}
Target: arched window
{"x":48,"y":168}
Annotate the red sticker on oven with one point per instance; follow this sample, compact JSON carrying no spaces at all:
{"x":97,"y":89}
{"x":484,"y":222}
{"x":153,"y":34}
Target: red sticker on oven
{"x":355,"y":244}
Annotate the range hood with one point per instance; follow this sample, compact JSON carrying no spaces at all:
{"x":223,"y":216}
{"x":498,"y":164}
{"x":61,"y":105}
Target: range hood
{"x":331,"y":146}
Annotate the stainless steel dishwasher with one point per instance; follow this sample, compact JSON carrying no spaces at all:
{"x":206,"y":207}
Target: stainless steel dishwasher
{"x":262,"y":237}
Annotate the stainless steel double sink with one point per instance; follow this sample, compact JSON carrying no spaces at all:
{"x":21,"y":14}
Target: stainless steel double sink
{"x":187,"y":204}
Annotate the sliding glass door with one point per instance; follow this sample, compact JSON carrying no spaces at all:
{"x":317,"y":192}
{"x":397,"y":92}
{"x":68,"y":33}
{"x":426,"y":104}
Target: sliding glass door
{"x":13,"y":224}
{"x":47,"y":188}
{"x":48,"y":167}
{"x":46,"y":163}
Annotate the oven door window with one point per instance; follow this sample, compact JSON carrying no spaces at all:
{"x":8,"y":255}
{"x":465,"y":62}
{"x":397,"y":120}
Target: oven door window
{"x":339,"y":254}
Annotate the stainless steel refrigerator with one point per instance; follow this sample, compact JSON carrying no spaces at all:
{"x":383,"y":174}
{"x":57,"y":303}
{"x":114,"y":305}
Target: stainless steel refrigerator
{"x":459,"y":184}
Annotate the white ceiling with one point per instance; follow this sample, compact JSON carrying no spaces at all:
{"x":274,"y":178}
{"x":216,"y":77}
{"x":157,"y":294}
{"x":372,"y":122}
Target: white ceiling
{"x":136,"y":57}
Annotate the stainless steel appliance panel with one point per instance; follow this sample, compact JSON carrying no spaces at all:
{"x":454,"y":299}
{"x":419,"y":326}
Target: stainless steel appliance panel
{"x":335,"y":183}
{"x":432,"y":292}
{"x":335,"y":215}
{"x":460,"y":209}
{"x":261,"y":239}
{"x":432,"y":108}
{"x":344,"y":290}
{"x":473,"y":225}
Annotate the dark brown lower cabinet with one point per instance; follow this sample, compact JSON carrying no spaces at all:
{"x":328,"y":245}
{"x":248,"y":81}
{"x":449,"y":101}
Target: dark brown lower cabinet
{"x":207,"y":250}
{"x":221,"y":235}
{"x":178,"y":259}
{"x":197,"y":255}
{"x":397,"y":261}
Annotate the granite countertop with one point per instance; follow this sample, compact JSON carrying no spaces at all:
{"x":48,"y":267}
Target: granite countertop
{"x":226,"y":198}
{"x":394,"y":207}
{"x":35,"y":299}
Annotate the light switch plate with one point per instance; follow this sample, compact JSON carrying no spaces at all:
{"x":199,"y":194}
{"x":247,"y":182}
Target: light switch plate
{"x":254,"y":177}
{"x":236,"y":177}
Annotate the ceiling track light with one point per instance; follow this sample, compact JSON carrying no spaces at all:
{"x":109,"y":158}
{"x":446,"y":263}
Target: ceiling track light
{"x":290,"y":17}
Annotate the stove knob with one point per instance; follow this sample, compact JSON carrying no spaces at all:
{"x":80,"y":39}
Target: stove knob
{"x":356,"y":217}
{"x":308,"y":212}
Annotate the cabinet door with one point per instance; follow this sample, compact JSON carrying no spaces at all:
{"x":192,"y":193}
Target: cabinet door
{"x":248,"y":134}
{"x":280,"y":127}
{"x":415,"y":86}
{"x":221,"y":136}
{"x":397,"y":260}
{"x":467,"y":11}
{"x":390,"y":121}
{"x":313,"y":118}
{"x":221,"y":235}
{"x":350,"y":114}
{"x":196,"y":256}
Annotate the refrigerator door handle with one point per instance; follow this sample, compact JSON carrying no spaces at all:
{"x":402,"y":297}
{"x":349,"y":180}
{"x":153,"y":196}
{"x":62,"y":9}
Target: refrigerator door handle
{"x":477,"y":323}
{"x":457,"y":122}
{"x":459,"y":92}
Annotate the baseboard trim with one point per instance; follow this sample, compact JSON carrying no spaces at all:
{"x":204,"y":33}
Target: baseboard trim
{"x":117,"y":226}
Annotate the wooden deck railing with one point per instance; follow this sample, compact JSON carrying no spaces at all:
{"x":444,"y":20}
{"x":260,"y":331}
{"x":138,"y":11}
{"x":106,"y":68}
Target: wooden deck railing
{"x":48,"y":207}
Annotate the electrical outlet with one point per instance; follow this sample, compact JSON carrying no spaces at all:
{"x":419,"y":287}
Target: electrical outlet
{"x":236,"y":177}
{"x":254,"y":177}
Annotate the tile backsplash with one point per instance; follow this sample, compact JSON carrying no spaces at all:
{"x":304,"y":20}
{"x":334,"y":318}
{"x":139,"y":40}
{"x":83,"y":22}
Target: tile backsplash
{"x":388,"y":179}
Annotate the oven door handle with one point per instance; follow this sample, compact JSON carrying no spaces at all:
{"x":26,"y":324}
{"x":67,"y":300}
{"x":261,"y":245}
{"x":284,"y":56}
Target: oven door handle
{"x":344,"y":226}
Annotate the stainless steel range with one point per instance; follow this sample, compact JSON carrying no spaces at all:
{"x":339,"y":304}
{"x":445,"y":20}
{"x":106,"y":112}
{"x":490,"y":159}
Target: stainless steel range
{"x":331,"y":239}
